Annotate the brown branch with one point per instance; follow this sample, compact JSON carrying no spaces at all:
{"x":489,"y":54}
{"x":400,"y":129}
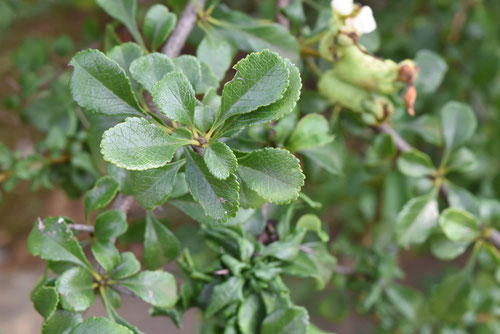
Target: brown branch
{"x":494,"y":238}
{"x":123,"y":203}
{"x":186,"y":23}
{"x":280,"y":17}
{"x":81,"y":228}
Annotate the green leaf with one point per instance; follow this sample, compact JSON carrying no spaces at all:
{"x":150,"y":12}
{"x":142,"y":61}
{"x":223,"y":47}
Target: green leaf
{"x":417,"y":219}
{"x":61,"y":322}
{"x":101,"y":85}
{"x":224,"y":294}
{"x":450,"y":300}
{"x":189,"y":66}
{"x":75,"y":288}
{"x":463,"y":161}
{"x":405,"y":299}
{"x":220,"y":160}
{"x":123,"y":11}
{"x":124,"y":54}
{"x":216,"y":53}
{"x":160,"y":245}
{"x":291,"y":320}
{"x":45,"y":300}
{"x":330,"y":157}
{"x":458,"y":123}
{"x":275,"y":110}
{"x":150,"y":69}
{"x":128,"y":266}
{"x":446,"y":249}
{"x":285,"y":249}
{"x":175,"y":98}
{"x":137,"y":144}
{"x":110,"y":224}
{"x":459,"y":225}
{"x":106,"y":254}
{"x":250,"y":314}
{"x":152,"y":187}
{"x":101,"y":195}
{"x":100,"y":325}
{"x":208,"y":80}
{"x":155,"y":287}
{"x":432,"y":69}
{"x":274,"y":174}
{"x":312,"y":223}
{"x":218,"y":198}
{"x":262,"y":78}
{"x":415,"y":164}
{"x":316,"y":263}
{"x":311,"y":131}
{"x":52,"y":239}
{"x":158,"y":24}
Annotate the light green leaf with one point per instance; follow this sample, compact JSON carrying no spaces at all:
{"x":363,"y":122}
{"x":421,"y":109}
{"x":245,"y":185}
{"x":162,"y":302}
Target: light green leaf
{"x":450,"y":299}
{"x":123,"y":11}
{"x":291,"y":320}
{"x":217,"y":53}
{"x":100,"y":325}
{"x":446,"y":249}
{"x":45,"y":300}
{"x":52,"y":239}
{"x":208,"y":80}
{"x":225,"y":293}
{"x":75,"y":288}
{"x":287,"y":248}
{"x":61,"y":322}
{"x":405,"y":299}
{"x":106,"y":254}
{"x":417,"y":219}
{"x":158,"y":24}
{"x":311,"y":222}
{"x":128,"y":266}
{"x":155,"y":287}
{"x":152,"y":187}
{"x":463,"y":161}
{"x":262,"y":78}
{"x":160,"y":245}
{"x":458,"y":123}
{"x":150,"y":69}
{"x":316,"y":263}
{"x":110,"y":224}
{"x":137,"y":144}
{"x":220,"y":160}
{"x":218,"y":198}
{"x":124,"y":54}
{"x":274,"y":111}
{"x":274,"y":174}
{"x":175,"y":98}
{"x":189,"y":66}
{"x":101,"y":85}
{"x":415,"y":164}
{"x":311,"y":131}
{"x":250,"y":314}
{"x":101,"y":195}
{"x":459,"y":225}
{"x":432,"y":70}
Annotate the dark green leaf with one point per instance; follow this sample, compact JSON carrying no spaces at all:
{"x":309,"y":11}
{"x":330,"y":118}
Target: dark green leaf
{"x":106,"y":254}
{"x":250,"y":314}
{"x":415,"y":164}
{"x":311,"y":131}
{"x":101,"y":195}
{"x":292,"y":320}
{"x":123,"y":11}
{"x":459,"y":225}
{"x":101,"y":85}
{"x":100,"y":325}
{"x":189,"y":66}
{"x":149,"y":70}
{"x":124,"y":54}
{"x":61,"y":322}
{"x":458,"y":123}
{"x":45,"y":300}
{"x":160,"y":245}
{"x":110,"y":224}
{"x":128,"y":266}
{"x":462,"y":160}
{"x":216,"y":53}
{"x":225,"y":293}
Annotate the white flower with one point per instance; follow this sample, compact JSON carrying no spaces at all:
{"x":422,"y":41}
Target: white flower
{"x":364,"y":22}
{"x":343,"y":7}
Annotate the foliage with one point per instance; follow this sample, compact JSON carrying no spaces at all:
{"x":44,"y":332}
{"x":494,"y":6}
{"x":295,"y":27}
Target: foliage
{"x":314,"y":160}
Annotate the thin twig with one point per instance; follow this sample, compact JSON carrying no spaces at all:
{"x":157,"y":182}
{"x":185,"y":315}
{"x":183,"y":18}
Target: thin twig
{"x":280,"y":17}
{"x":179,"y":36}
{"x":494,"y":238}
{"x":123,"y":203}
{"x":82,"y":227}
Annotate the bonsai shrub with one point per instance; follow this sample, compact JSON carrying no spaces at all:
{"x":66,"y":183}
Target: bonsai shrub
{"x":308,"y":147}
